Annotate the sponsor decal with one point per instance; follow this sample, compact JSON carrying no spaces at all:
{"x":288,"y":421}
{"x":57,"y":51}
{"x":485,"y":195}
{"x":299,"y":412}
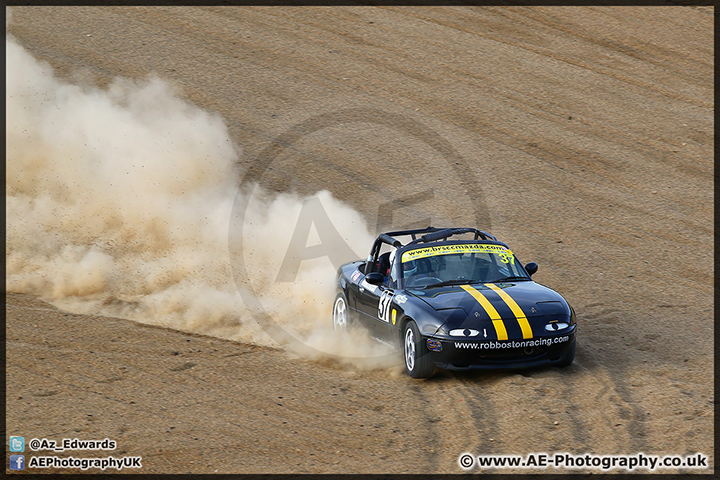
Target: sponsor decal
{"x":394,"y":316}
{"x":492,"y":345}
{"x":401,"y":299}
{"x":506,"y":255}
{"x":365,"y":285}
{"x":434,"y":345}
{"x":355,"y":275}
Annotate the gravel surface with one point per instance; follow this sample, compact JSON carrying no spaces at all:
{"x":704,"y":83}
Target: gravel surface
{"x":582,"y":136}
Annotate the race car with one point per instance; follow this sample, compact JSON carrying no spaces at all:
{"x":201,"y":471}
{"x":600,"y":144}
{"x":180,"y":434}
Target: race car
{"x":457,"y":299}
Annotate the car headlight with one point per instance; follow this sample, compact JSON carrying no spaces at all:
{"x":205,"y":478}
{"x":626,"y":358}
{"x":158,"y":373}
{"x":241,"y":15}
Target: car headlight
{"x":464,"y":332}
{"x":556,"y":326}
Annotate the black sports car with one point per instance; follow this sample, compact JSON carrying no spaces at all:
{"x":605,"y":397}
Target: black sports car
{"x":455,"y":303}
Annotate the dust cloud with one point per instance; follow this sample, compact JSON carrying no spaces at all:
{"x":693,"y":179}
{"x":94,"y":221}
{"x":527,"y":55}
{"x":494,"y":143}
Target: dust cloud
{"x":118,"y":203}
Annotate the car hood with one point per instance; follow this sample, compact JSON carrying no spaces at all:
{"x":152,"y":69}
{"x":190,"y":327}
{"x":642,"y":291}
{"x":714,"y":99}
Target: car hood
{"x":526,"y":293}
{"x":461,"y":309}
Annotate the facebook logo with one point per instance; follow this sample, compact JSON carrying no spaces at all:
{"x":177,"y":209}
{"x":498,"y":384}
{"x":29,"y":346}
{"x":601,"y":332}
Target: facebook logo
{"x":17,"y":444}
{"x":17,"y":462}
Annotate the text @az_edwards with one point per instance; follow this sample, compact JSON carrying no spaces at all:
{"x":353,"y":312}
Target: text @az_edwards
{"x":37,"y":444}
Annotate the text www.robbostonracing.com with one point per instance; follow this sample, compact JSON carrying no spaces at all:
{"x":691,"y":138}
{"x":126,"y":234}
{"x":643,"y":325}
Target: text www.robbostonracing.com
{"x":584,"y":461}
{"x":537,"y":342}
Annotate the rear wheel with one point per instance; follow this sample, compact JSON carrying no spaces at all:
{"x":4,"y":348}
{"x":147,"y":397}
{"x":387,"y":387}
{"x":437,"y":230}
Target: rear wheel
{"x":341,"y":315}
{"x":417,"y":360}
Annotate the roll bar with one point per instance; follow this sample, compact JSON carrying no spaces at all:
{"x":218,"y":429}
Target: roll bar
{"x":427,"y":235}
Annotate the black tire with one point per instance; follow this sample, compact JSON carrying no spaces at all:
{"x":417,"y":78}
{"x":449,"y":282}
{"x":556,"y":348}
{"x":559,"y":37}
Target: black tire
{"x":417,"y":359}
{"x":569,"y":357}
{"x":341,"y":313}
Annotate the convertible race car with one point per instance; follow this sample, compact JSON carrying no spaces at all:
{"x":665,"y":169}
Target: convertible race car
{"x":455,"y":298}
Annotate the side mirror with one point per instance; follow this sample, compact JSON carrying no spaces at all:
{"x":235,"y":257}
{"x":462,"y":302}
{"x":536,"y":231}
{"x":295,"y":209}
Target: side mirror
{"x":375,"y":278}
{"x":531,"y":268}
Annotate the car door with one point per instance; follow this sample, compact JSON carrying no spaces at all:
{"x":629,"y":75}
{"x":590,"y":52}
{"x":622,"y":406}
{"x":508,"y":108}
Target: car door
{"x":378,"y":309}
{"x":388,"y":309}
{"x":368,"y":302}
{"x":353,"y":286}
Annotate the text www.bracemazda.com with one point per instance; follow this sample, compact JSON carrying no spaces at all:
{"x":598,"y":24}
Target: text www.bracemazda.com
{"x":586,"y":461}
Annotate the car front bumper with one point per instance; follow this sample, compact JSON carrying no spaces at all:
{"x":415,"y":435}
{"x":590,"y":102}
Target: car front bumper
{"x":462,"y":354}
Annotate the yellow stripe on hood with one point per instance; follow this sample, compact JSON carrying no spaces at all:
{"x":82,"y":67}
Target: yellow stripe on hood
{"x":494,"y":316}
{"x":517,"y":311}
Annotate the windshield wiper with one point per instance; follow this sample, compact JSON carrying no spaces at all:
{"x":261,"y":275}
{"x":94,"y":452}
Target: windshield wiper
{"x":510,"y":278}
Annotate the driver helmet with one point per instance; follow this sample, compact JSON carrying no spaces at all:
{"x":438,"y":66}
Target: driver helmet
{"x":409,"y":268}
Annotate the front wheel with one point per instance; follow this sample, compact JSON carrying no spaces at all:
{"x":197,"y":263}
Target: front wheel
{"x":569,"y":357}
{"x":341,"y":315}
{"x":417,"y":360}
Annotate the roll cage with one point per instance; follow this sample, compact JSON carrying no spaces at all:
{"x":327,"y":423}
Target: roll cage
{"x":379,"y":263}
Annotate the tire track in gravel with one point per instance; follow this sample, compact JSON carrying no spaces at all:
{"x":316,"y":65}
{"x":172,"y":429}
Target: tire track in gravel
{"x":464,"y":416}
{"x":515,"y":400}
{"x":616,"y":406}
{"x":552,"y":399}
{"x":431,"y":457}
{"x":483,"y":411}
{"x":615,"y":389}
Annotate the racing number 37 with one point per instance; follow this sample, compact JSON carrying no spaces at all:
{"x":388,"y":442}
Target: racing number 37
{"x":384,"y":305}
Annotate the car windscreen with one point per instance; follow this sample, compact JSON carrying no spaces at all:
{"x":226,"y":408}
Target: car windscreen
{"x":459,"y":264}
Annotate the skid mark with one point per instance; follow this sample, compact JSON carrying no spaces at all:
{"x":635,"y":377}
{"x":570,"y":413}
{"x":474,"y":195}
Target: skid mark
{"x":614,"y":413}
